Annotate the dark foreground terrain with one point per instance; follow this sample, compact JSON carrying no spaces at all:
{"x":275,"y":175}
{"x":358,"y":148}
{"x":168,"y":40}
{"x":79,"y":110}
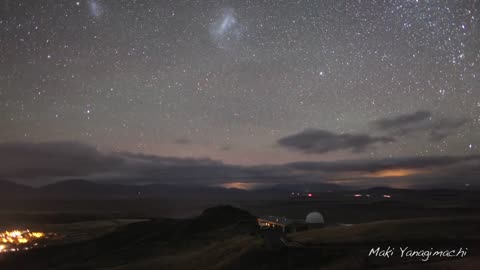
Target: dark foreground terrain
{"x":227,"y":238}
{"x":155,"y":232}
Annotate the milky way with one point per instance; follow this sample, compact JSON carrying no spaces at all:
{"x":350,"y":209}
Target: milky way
{"x":244,"y":82}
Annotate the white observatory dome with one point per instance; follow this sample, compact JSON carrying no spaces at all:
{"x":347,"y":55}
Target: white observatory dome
{"x":314,"y":218}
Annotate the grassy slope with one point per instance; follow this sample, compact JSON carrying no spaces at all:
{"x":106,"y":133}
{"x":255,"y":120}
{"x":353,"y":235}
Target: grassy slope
{"x":411,"y":230}
{"x":205,"y":243}
{"x":421,"y":232}
{"x":153,"y":245}
{"x":216,"y":255}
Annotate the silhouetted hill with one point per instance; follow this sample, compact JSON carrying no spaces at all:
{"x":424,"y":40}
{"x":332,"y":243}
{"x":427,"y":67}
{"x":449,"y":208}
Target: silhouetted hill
{"x":74,"y":185}
{"x":80,"y":188}
{"x":416,"y":192}
{"x":223,"y":216}
{"x":171,"y":191}
{"x":9,"y":189}
{"x":384,"y":190}
{"x":214,"y":231}
{"x":311,"y":187}
{"x":84,"y":188}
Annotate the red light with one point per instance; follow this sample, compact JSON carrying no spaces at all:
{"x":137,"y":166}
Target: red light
{"x":310,"y":195}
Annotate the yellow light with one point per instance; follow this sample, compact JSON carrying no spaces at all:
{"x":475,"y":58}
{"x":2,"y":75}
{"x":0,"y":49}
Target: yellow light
{"x":22,"y":240}
{"x":14,"y":234}
{"x":37,"y":234}
{"x":14,"y":239}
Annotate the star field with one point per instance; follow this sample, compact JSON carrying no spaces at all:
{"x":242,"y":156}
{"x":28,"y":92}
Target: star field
{"x":228,"y":80}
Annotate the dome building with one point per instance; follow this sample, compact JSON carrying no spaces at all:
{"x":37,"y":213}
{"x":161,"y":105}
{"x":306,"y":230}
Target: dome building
{"x":315,"y":220}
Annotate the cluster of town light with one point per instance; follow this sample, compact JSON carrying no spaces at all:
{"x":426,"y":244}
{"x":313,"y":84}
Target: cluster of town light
{"x":386,"y":196}
{"x":19,"y":240}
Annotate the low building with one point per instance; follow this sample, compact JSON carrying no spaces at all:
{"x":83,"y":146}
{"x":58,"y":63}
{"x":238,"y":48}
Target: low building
{"x":287,"y":225}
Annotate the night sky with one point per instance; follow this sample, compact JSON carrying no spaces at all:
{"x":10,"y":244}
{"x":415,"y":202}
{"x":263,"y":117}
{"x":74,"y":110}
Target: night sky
{"x":256,"y":92}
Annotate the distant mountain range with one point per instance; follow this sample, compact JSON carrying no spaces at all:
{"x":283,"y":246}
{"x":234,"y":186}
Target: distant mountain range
{"x":82,"y":188}
{"x":74,"y":188}
{"x":10,"y":188}
{"x":78,"y":188}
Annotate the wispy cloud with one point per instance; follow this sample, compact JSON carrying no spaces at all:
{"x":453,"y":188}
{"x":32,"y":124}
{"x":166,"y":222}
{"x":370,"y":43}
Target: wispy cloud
{"x":418,"y":122}
{"x":315,"y":141}
{"x":39,"y":163}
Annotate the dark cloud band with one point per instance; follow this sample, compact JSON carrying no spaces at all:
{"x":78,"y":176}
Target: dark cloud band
{"x":39,"y":163}
{"x":315,"y":141}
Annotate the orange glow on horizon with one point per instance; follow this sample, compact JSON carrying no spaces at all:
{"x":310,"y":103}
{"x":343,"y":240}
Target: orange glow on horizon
{"x":395,"y":173}
{"x":240,"y":185}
